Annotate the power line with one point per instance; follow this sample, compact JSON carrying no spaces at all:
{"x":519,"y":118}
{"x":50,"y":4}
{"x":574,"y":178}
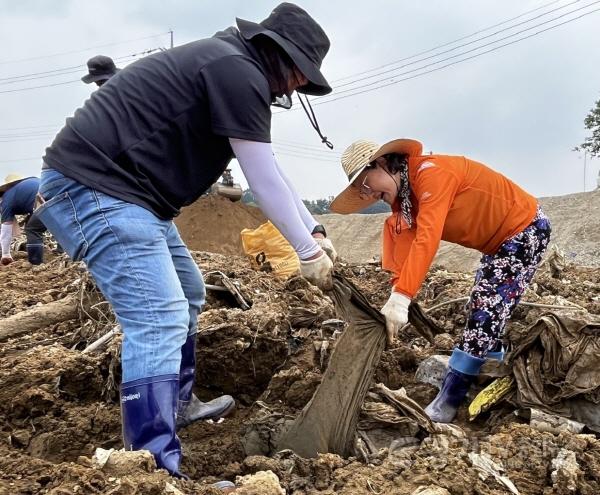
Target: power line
{"x":82,"y":49}
{"x":471,"y":50}
{"x":27,"y":127}
{"x":304,"y":146}
{"x":38,"y":87}
{"x":63,"y":70}
{"x":483,"y":30}
{"x":392,"y":82}
{"x":469,"y":43}
{"x":280,"y":148}
{"x":16,"y":90}
{"x":361,"y":89}
{"x":80,"y":66}
{"x":466,"y":51}
{"x":28,"y":134}
{"x":304,"y":156}
{"x":4,"y":81}
{"x":37,"y":130}
{"x":27,"y":159}
{"x":27,"y":139}
{"x":298,"y":149}
{"x":309,"y":154}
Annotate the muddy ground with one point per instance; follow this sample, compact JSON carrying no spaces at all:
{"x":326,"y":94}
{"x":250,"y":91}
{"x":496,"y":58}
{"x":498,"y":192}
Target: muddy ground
{"x":58,"y":405}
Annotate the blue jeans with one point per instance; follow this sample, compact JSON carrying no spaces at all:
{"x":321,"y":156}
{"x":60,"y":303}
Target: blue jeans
{"x":140,"y":264}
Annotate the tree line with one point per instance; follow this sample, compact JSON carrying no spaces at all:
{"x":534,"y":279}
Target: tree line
{"x":321,"y":206}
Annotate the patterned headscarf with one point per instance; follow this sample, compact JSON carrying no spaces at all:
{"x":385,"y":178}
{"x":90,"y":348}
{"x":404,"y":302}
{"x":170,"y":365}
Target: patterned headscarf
{"x":404,"y":196}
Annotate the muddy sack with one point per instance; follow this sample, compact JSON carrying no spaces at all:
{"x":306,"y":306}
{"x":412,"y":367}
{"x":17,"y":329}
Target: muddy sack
{"x":328,"y":422}
{"x":556,"y":366}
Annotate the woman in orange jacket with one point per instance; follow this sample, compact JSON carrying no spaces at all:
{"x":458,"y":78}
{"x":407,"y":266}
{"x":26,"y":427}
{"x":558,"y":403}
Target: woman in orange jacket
{"x":459,"y":200}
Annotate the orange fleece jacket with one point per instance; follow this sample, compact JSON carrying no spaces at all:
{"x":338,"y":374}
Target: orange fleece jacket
{"x":457,"y":200}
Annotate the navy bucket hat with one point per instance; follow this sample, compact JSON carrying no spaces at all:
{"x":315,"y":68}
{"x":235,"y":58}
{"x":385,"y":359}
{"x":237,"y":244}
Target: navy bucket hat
{"x":301,"y":37}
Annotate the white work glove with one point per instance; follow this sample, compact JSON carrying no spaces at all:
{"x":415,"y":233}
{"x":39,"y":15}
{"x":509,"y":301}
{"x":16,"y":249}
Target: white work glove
{"x":318,"y":271}
{"x":395,"y":311}
{"x":327,"y":246}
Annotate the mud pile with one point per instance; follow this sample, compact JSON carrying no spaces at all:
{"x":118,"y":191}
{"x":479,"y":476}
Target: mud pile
{"x":214,"y":223}
{"x":58,"y":405}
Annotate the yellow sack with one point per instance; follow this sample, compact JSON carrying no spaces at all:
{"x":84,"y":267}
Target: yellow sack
{"x":265,"y":244}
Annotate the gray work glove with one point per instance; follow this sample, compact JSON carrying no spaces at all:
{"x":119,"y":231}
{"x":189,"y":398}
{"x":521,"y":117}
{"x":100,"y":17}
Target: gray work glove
{"x":318,"y":271}
{"x":327,"y":246}
{"x":395,"y":311}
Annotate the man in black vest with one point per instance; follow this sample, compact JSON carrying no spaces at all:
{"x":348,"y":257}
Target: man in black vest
{"x":156,"y":137}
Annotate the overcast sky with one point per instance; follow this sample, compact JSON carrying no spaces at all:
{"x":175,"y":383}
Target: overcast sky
{"x":519,"y":109}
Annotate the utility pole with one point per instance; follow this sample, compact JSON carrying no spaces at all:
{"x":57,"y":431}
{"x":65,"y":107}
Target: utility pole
{"x":171,"y":33}
{"x":584,"y":167}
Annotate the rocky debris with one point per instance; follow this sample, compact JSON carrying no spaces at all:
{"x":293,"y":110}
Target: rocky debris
{"x":57,"y":405}
{"x":259,"y":483}
{"x":565,"y":472}
{"x":430,"y":490}
{"x":487,"y":467}
{"x":432,"y":370}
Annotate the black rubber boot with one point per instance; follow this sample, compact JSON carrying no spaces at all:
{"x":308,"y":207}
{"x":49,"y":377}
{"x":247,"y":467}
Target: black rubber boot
{"x":35,"y":253}
{"x":191,"y":409}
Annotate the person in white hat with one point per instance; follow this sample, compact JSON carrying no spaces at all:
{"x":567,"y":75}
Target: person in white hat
{"x":454,"y":198}
{"x":150,"y":141}
{"x":18,"y":196}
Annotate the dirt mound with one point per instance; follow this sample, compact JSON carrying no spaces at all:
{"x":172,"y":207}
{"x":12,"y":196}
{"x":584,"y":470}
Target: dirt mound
{"x":57,"y":405}
{"x":214,"y":223}
{"x":575,"y":222}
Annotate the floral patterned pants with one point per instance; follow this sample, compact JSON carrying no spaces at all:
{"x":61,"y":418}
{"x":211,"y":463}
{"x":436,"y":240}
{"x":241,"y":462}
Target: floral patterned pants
{"x":499,"y":284}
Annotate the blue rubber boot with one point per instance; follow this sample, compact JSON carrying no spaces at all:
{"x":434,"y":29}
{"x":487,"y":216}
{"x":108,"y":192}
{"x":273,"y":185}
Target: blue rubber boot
{"x":191,"y":409}
{"x":463,"y":368}
{"x":497,"y":355}
{"x":148,"y":410}
{"x":35,"y":253}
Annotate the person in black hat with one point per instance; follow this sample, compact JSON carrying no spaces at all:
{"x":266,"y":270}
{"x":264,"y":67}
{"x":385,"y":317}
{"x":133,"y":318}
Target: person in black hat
{"x":152,"y":141}
{"x":100,"y":70}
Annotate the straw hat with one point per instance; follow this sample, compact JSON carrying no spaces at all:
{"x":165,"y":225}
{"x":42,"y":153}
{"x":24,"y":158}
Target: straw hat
{"x":10,"y":180}
{"x":356,"y":158}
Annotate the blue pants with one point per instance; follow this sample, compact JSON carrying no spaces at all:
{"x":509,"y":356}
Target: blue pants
{"x":140,"y":264}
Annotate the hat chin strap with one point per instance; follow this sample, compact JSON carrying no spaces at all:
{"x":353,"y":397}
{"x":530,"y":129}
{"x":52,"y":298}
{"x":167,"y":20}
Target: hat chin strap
{"x":313,"y":121}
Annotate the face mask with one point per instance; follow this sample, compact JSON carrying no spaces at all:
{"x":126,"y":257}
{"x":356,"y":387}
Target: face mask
{"x":284,"y":101}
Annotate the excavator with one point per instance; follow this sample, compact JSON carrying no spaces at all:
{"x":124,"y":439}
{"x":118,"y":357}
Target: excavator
{"x":227,"y":187}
